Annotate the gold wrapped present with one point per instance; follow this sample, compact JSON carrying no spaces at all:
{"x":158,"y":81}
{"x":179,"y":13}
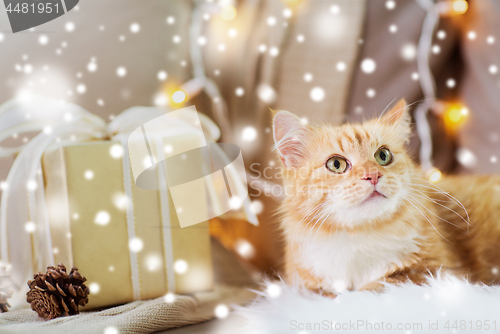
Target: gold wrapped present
{"x":87,"y":209}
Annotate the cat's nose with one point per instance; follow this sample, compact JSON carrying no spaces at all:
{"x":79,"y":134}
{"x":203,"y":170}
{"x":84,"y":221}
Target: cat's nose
{"x":372,"y":177}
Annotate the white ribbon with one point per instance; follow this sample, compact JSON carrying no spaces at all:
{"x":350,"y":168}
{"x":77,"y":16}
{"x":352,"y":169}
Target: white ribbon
{"x":165,"y":213}
{"x":23,"y":206}
{"x":127,"y":183}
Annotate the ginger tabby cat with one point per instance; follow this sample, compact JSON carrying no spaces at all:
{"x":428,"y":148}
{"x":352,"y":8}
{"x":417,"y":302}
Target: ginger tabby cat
{"x":358,"y":211}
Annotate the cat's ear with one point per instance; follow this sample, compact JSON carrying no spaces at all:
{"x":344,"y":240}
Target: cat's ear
{"x":289,"y":134}
{"x":399,"y":116}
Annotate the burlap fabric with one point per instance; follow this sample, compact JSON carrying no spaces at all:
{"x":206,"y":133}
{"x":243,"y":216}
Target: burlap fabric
{"x":136,"y":317}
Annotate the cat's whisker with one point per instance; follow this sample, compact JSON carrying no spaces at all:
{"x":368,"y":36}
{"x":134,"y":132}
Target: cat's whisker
{"x":434,"y":214}
{"x":430,"y":190}
{"x":395,"y":112}
{"x":441,"y":191}
{"x":436,"y":201}
{"x":384,"y":121}
{"x":409,"y":105}
{"x":436,"y":189}
{"x":385,"y":109}
{"x":444,"y":206}
{"x":423,"y":195}
{"x":410,"y":212}
{"x":433,"y":189}
{"x":427,"y":218}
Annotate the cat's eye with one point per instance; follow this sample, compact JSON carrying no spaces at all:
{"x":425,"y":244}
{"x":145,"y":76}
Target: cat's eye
{"x":337,"y":165}
{"x":383,"y":156}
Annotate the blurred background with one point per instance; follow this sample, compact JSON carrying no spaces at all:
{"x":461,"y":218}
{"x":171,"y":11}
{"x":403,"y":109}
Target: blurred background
{"x":325,"y":60}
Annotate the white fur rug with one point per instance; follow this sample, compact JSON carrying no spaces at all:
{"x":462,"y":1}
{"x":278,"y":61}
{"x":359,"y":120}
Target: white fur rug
{"x":446,"y":305}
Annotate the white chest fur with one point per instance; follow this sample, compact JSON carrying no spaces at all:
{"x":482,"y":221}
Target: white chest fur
{"x":345,"y":261}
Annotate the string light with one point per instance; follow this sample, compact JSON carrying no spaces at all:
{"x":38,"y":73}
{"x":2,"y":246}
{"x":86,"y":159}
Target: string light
{"x":200,"y":82}
{"x":435,"y":175}
{"x":452,"y":7}
{"x":460,"y":6}
{"x":228,"y":13}
{"x":292,"y":3}
{"x":179,"y":96}
{"x":453,"y":116}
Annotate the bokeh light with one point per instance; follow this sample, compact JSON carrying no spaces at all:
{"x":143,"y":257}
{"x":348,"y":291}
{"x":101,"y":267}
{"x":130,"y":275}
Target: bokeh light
{"x":228,"y":13}
{"x":435,"y":175}
{"x":169,"y":298}
{"x":249,"y":134}
{"x":179,"y":96}
{"x":221,"y":311}
{"x":135,"y":245}
{"x":454,"y":116}
{"x":30,"y":227}
{"x":244,"y":248}
{"x":180,"y":266}
{"x":94,"y":288}
{"x":273,"y":290}
{"x":110,"y":330}
{"x":460,"y":6}
{"x":102,"y":218}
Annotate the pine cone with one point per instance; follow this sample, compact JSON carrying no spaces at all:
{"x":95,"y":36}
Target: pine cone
{"x":56,"y":293}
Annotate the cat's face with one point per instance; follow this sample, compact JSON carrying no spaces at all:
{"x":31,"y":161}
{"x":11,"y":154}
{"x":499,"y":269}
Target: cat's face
{"x":351,"y":174}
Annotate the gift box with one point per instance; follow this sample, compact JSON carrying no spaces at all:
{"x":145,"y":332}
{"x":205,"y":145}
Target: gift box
{"x":87,"y":213}
{"x":73,"y":196}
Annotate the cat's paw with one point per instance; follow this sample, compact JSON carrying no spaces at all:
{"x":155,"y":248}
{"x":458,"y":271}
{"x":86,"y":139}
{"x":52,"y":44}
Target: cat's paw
{"x":324,"y":293}
{"x":373,"y":286}
{"x":380,"y":285}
